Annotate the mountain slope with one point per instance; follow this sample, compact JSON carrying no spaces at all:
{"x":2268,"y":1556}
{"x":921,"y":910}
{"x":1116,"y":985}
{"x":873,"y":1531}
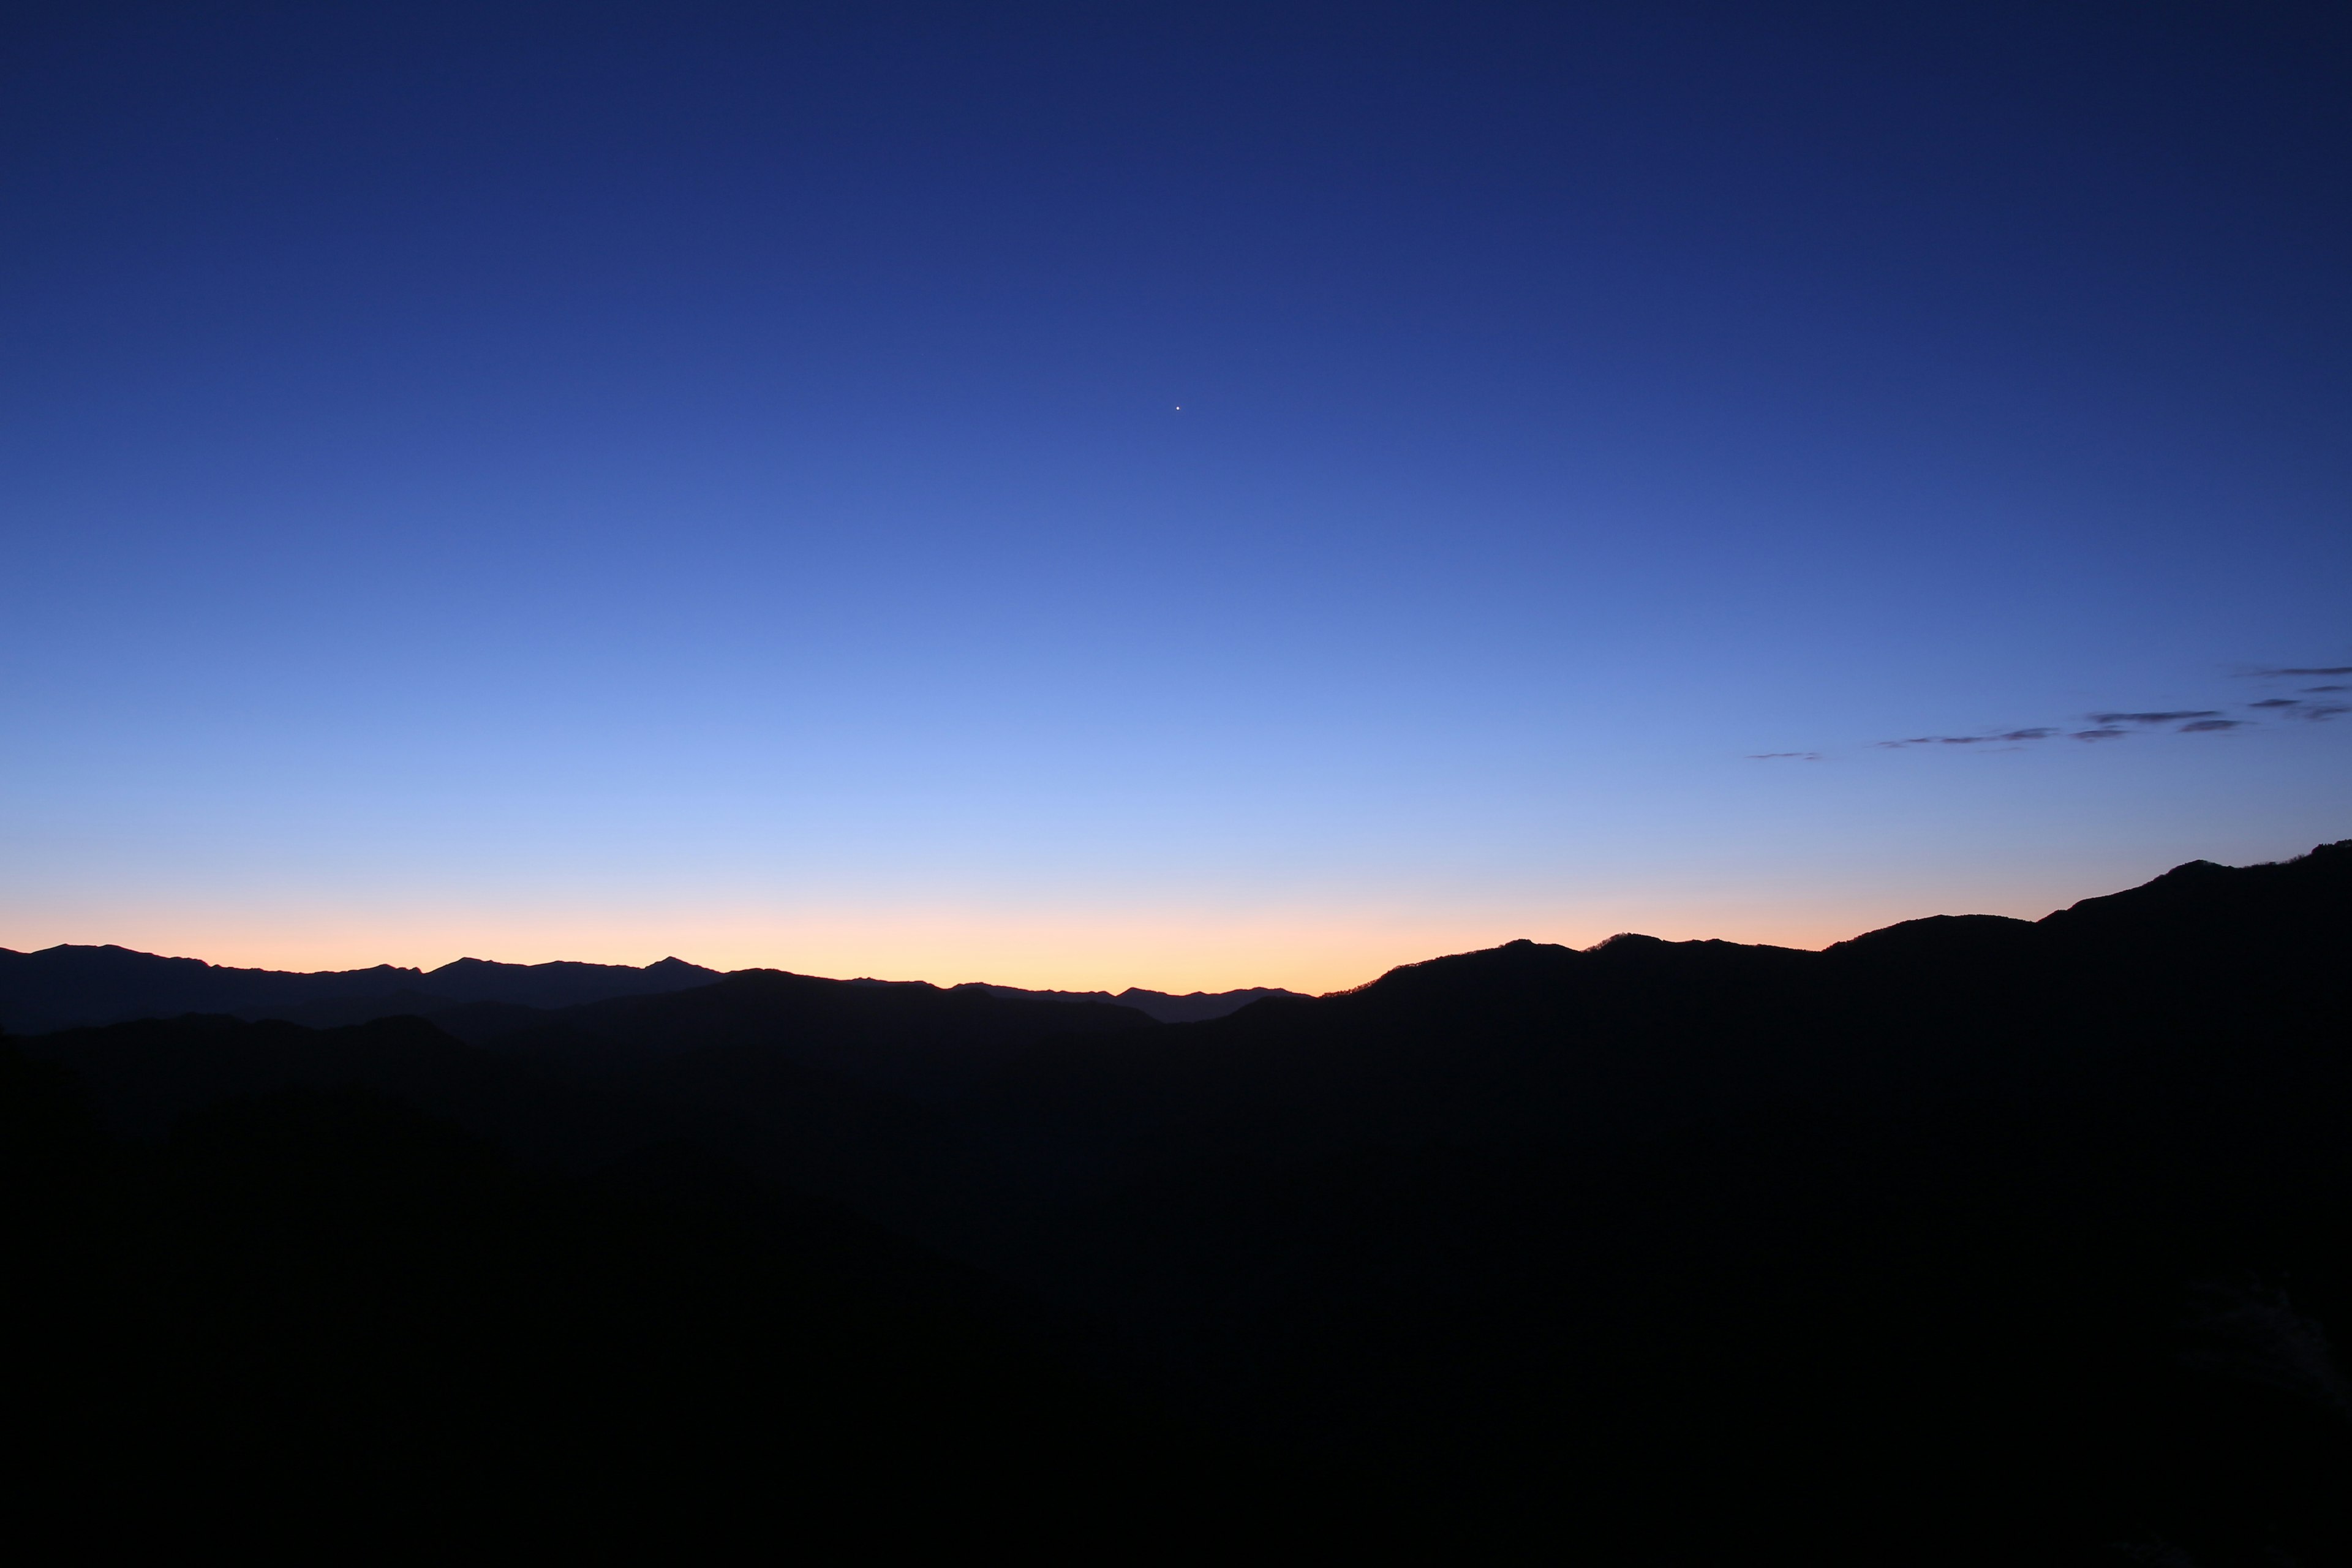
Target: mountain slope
{"x":1970,"y":1239}
{"x":1925,"y":1227}
{"x":318,"y":1314}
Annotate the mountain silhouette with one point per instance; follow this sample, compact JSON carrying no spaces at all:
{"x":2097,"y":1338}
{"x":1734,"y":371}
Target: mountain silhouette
{"x":1192,"y":1007}
{"x":1969,"y":1239}
{"x":69,"y":986}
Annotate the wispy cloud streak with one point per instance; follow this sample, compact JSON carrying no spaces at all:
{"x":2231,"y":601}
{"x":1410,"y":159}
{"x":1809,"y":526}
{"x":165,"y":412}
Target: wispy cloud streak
{"x":2033,"y":734}
{"x":2117,"y":723}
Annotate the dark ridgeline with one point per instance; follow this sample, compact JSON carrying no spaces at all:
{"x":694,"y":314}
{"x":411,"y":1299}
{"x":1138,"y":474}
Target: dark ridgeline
{"x":1192,"y":1007}
{"x":1971,"y":1239}
{"x":68,"y":987}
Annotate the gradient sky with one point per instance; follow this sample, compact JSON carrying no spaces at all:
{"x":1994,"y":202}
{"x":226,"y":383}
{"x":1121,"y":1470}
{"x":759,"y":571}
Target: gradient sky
{"x":1180,"y":496}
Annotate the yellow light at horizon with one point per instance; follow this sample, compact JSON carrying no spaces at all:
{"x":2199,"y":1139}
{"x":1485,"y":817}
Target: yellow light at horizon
{"x":1309,"y":949}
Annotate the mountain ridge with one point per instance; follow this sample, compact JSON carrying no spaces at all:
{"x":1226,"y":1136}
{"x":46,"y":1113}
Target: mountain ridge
{"x":1189,"y":1007}
{"x":1967,"y":1240}
{"x":74,"y":985}
{"x":71,"y":985}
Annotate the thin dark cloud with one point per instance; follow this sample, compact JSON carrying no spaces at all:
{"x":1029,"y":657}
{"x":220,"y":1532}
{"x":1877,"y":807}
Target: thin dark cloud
{"x":1777,"y":756}
{"x":2115,"y":725}
{"x":2033,"y":734}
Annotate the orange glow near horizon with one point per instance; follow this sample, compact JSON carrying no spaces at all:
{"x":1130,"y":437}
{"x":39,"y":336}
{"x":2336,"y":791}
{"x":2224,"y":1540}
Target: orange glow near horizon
{"x":1313,"y":950}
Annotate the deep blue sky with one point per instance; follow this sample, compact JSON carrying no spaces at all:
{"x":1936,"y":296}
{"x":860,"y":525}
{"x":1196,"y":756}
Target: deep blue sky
{"x":1181,"y":496}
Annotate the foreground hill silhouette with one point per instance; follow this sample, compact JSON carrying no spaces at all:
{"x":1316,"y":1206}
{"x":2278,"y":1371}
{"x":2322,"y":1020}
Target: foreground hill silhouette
{"x":1970,"y":1239}
{"x":318,"y":1319}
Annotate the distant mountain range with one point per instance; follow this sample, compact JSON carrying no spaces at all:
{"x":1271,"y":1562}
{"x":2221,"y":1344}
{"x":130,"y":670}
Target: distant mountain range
{"x":1192,"y":1007}
{"x":71,"y":986}
{"x":1971,"y":1239}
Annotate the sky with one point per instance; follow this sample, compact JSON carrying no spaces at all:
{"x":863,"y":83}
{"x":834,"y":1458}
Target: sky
{"x":1186,"y":496}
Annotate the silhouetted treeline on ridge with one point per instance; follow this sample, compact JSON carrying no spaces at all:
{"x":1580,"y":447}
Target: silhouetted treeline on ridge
{"x":1970,"y":1239}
